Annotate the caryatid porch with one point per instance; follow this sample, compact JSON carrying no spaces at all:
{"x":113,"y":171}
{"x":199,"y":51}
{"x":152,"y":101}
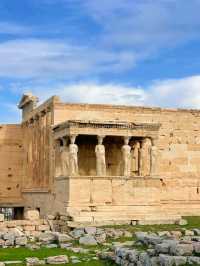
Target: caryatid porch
{"x":94,"y":148}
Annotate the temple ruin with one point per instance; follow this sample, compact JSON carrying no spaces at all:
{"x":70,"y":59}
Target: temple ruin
{"x":101,"y":164}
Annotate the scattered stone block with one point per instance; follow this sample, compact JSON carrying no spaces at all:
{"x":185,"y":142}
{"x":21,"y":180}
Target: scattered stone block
{"x":189,"y":233}
{"x":21,"y":241}
{"x":62,"y":238}
{"x":166,"y":260}
{"x":196,"y":231}
{"x":43,"y":227}
{"x":196,"y":248}
{"x":62,"y":259}
{"x":182,"y":249}
{"x":100,"y":238}
{"x":77,"y":233}
{"x":88,"y":240}
{"x":180,"y":260}
{"x":32,"y":261}
{"x":182,"y":222}
{"x":193,"y":260}
{"x":90,"y":230}
{"x":47,"y":238}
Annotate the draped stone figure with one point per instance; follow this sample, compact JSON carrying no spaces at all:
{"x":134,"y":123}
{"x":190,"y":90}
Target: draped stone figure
{"x":100,"y":158}
{"x":126,"y":157}
{"x":64,"y":156}
{"x":135,"y":158}
{"x":73,"y":157}
{"x":145,"y":155}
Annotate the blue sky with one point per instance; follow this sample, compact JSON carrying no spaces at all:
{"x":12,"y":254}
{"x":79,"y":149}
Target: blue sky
{"x":135,"y":52}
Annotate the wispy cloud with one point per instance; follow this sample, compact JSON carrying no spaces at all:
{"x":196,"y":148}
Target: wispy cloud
{"x":128,"y":32}
{"x":174,"y":93}
{"x":145,"y":23}
{"x":28,"y":58}
{"x":182,"y":93}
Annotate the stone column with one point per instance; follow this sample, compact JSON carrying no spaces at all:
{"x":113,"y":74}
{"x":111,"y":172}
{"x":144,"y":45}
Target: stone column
{"x":126,"y":158}
{"x":153,"y":157}
{"x":144,"y":165}
{"x":100,"y":157}
{"x":73,"y":156}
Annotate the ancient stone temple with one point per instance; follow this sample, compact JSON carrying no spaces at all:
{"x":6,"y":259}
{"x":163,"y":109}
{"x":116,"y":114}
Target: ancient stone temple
{"x":101,"y":164}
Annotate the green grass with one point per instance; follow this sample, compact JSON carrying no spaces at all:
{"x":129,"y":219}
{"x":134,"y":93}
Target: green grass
{"x":10,"y":254}
{"x":193,"y":222}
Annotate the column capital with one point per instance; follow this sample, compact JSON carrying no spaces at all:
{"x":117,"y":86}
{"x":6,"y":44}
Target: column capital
{"x":72,"y":138}
{"x":126,"y":140}
{"x":100,"y":139}
{"x":145,"y":140}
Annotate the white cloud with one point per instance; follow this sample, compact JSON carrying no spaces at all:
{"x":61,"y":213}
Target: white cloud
{"x":182,"y":93}
{"x":127,"y":32}
{"x":173,"y":93}
{"x":27,"y":58}
{"x":145,"y":24}
{"x":97,"y":93}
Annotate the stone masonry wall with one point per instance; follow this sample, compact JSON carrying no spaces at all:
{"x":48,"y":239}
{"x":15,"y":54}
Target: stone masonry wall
{"x":11,"y":159}
{"x":179,"y":138}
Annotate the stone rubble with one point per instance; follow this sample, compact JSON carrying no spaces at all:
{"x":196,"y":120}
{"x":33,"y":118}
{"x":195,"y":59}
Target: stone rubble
{"x":158,"y":249}
{"x":165,"y":248}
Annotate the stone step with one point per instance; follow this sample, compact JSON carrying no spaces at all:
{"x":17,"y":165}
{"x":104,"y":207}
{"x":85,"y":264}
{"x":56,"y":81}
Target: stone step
{"x":123,"y":216}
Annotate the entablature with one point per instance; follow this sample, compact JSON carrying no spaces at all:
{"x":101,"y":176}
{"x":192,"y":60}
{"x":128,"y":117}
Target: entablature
{"x":105,"y":128}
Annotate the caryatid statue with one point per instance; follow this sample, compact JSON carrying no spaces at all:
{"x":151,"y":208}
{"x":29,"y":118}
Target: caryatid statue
{"x":64,"y":156}
{"x":135,"y":158}
{"x":126,"y":157}
{"x":145,"y":162}
{"x":100,"y":157}
{"x":73,"y":156}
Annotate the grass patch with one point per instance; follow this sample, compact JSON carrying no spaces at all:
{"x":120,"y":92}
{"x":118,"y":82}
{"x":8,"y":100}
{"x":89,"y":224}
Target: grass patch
{"x":193,"y":222}
{"x":11,"y":254}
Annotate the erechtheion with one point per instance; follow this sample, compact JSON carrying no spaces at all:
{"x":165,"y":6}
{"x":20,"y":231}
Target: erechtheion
{"x":101,"y":163}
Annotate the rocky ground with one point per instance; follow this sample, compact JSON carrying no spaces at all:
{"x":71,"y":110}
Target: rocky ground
{"x":128,"y":245}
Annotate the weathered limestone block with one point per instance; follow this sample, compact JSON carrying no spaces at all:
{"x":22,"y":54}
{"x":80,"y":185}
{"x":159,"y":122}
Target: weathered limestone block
{"x":21,"y":241}
{"x":29,"y":228}
{"x":33,"y":261}
{"x":192,"y":260}
{"x":87,"y":240}
{"x":90,"y":230}
{"x":62,"y":259}
{"x":47,"y":238}
{"x":63,"y":238}
{"x":181,"y":249}
{"x":32,"y":215}
{"x":42,"y":227}
{"x":1,"y":217}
